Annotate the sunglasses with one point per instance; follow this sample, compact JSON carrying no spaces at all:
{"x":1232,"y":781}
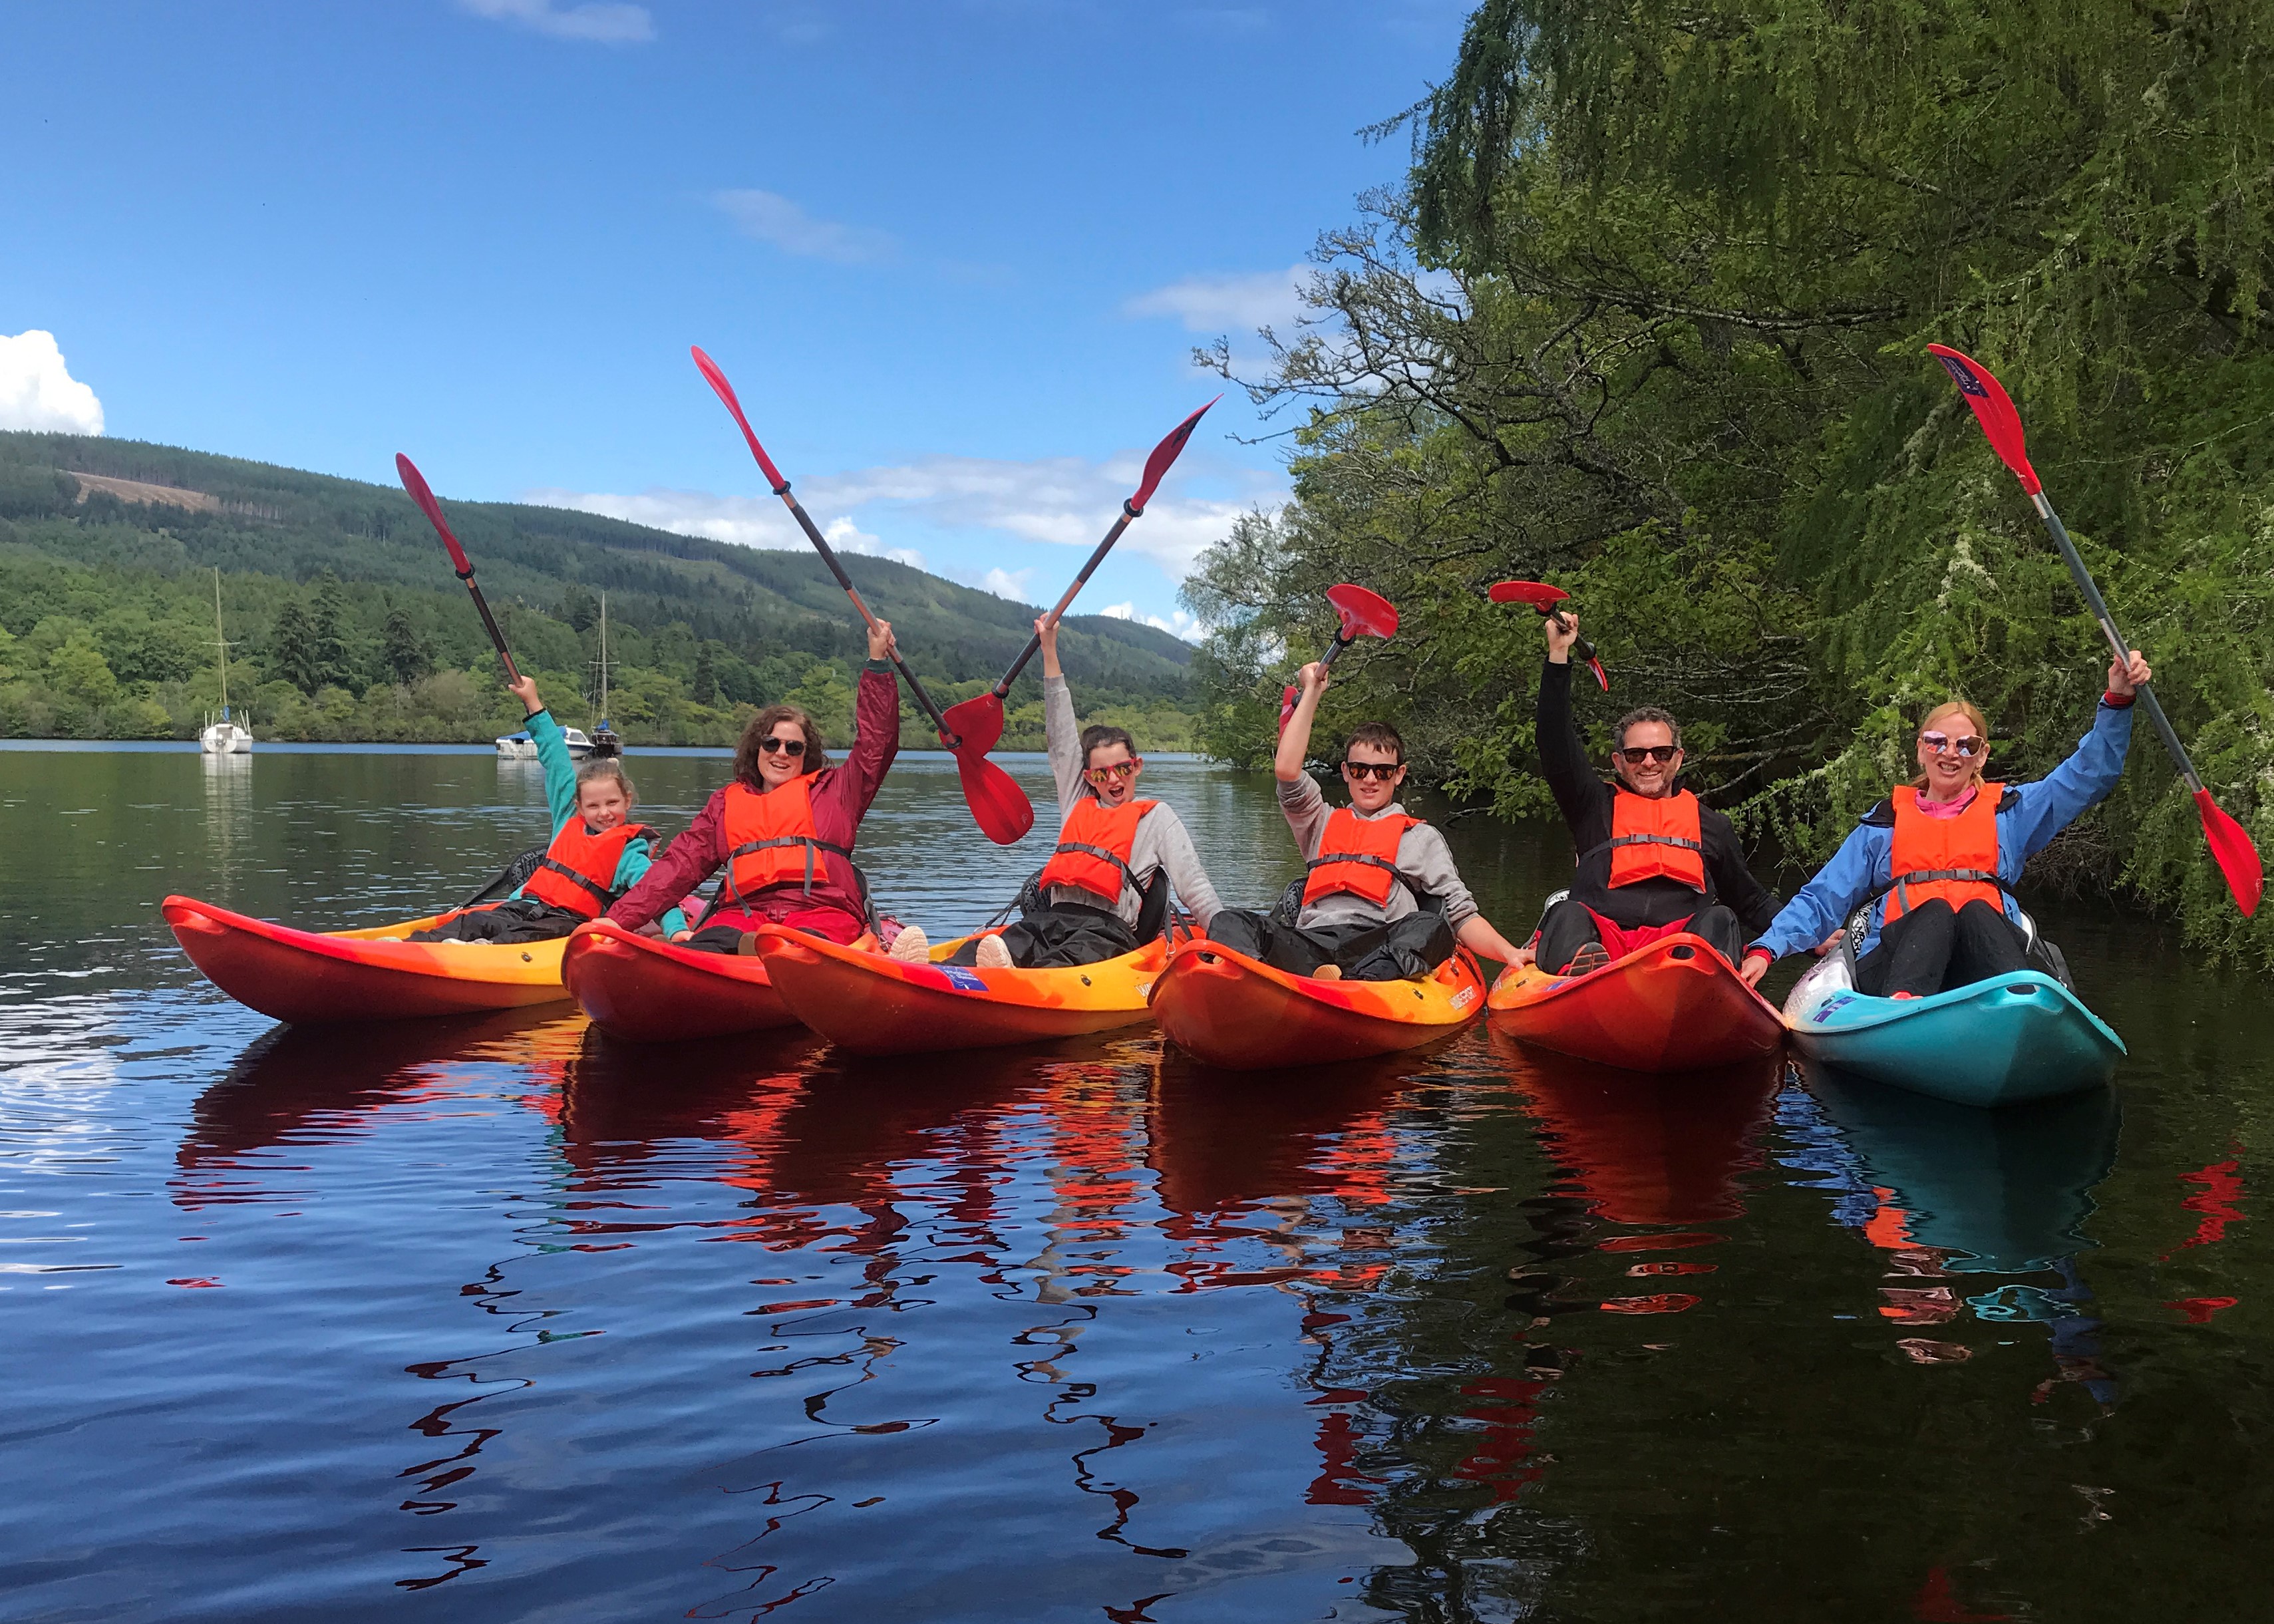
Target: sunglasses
{"x":1661,"y":754}
{"x":791,"y":747}
{"x":1968,"y":747}
{"x":1117,"y":772}
{"x":1383,"y":770}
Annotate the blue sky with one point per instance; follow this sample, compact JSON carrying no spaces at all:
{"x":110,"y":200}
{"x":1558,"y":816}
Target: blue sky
{"x":954,"y":253}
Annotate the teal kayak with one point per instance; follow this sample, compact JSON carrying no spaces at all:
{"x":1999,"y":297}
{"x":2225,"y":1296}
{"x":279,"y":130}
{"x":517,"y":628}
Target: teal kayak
{"x":2000,"y":1041}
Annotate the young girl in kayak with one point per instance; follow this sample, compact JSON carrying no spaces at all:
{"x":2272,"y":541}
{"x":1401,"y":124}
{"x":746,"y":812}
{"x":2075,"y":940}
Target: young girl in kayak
{"x":1111,"y":847}
{"x":1383,"y":900}
{"x":1941,"y":855}
{"x":784,"y":828}
{"x":1653,"y":861}
{"x":597,"y":853}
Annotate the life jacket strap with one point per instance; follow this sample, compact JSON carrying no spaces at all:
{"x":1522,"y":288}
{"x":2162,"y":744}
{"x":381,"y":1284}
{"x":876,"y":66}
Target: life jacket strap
{"x":1900,"y":886}
{"x":1687,"y":846}
{"x":600,"y":894}
{"x":1128,"y":875}
{"x":806,"y":841}
{"x":1367,"y":859}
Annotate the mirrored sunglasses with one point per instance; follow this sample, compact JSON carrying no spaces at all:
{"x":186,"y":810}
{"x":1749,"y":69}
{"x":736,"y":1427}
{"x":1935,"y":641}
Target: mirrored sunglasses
{"x":1117,"y":772}
{"x":1968,"y":747}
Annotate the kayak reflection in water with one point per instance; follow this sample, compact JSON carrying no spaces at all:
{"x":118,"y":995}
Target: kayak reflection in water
{"x":784,"y":828}
{"x":596,"y":854}
{"x":1652,"y":861}
{"x":1936,"y":862}
{"x":1381,"y":900}
{"x":1105,"y":891}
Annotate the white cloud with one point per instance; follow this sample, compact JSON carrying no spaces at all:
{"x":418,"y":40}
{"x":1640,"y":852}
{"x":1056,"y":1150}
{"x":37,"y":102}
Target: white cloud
{"x":1011,"y":583}
{"x":847,"y":537}
{"x":771,"y":217}
{"x":1219,"y":304}
{"x":37,"y":390}
{"x":602,"y":22}
{"x":1179,"y":623}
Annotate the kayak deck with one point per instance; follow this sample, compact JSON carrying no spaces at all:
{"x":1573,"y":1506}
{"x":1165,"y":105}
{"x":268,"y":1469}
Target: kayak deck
{"x":308,"y":977}
{"x":1228,"y":1009}
{"x":643,"y":989}
{"x":2000,"y":1041}
{"x":872,"y":1004}
{"x":1673,"y":1005}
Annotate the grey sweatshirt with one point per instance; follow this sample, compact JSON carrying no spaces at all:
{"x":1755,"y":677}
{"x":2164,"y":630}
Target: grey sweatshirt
{"x":1161,"y":842}
{"x":1424,"y":859}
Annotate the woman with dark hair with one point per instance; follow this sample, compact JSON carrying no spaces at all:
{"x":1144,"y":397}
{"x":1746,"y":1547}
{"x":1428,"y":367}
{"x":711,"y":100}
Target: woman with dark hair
{"x":784,"y":828}
{"x":1938,"y":859}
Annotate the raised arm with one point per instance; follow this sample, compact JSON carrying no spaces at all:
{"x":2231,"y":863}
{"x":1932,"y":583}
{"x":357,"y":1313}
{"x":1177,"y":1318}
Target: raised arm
{"x":2085,"y":779}
{"x":1061,"y":732}
{"x":1295,"y":738}
{"x":551,"y":752}
{"x":1562,"y":753}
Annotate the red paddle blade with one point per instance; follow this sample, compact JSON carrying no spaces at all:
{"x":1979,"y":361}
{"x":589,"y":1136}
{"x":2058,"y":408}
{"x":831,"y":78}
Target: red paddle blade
{"x":977,"y":721}
{"x":2230,"y":846}
{"x":998,"y":805}
{"x":1538,"y":594}
{"x":1601,"y":680}
{"x":1287,"y":705}
{"x":1993,"y":409}
{"x":725,"y":391}
{"x":415,"y":482}
{"x":1164,"y":454}
{"x":1364,"y":613}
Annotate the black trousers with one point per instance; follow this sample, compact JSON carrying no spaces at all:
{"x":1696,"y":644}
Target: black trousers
{"x":516,"y":918}
{"x":1934,"y":948}
{"x":1412,"y":946}
{"x":1568,"y":927}
{"x":1058,"y":936}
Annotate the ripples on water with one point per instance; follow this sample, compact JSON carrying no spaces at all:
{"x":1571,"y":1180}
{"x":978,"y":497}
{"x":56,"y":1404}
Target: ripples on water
{"x":496,"y":1319}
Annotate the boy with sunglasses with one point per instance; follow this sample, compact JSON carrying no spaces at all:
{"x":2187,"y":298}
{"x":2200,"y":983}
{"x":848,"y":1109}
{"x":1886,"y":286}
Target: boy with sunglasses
{"x":1113,"y":849}
{"x":1381,"y":898}
{"x":1653,"y":860}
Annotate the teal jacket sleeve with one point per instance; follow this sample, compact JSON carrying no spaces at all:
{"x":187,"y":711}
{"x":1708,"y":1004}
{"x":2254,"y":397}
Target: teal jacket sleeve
{"x":560,"y":768}
{"x":631,"y":869}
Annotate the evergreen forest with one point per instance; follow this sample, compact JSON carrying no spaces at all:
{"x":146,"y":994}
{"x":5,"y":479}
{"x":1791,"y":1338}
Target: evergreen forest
{"x":1647,"y":320}
{"x":344,"y":622}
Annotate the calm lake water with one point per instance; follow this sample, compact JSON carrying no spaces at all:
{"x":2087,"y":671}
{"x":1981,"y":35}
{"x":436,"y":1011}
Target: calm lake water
{"x":499,"y":1321}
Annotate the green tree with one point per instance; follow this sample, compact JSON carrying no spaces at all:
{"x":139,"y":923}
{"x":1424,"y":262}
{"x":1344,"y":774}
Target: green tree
{"x":705,"y":688}
{"x":79,"y":669}
{"x":328,"y":620}
{"x":292,"y":646}
{"x":579,"y":608}
{"x":403,"y":651}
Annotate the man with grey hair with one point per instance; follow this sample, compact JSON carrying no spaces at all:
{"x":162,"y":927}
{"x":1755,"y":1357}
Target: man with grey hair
{"x":1653,"y":861}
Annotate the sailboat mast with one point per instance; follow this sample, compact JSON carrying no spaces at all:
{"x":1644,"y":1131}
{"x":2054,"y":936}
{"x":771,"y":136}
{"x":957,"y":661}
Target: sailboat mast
{"x":220,"y":646}
{"x":604,"y":659}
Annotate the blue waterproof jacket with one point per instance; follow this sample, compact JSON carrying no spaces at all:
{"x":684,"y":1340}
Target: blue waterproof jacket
{"x":2028,"y":819}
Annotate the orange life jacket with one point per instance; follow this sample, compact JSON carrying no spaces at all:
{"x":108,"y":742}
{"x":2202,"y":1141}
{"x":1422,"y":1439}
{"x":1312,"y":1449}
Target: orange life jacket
{"x":1655,"y":838}
{"x":771,"y":838}
{"x":1358,"y":855}
{"x":1093,"y":847}
{"x":1953,"y":858}
{"x":578,"y":873}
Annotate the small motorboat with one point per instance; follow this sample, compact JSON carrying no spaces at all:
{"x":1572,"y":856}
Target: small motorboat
{"x":521,"y":747}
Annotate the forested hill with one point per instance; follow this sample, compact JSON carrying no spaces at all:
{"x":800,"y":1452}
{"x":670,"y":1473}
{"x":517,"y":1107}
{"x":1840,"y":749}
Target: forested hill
{"x":345,"y":620}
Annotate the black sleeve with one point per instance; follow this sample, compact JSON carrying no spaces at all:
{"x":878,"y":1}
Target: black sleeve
{"x":1579,"y":793}
{"x":1733,"y":881}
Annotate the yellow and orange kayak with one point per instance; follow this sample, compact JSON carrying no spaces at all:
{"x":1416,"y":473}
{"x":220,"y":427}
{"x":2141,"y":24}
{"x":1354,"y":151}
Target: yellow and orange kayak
{"x":873,"y":1004}
{"x":307,"y":976}
{"x":1228,"y":1009}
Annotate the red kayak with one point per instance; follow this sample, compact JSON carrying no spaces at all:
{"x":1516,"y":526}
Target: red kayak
{"x":645,"y":990}
{"x":353,"y":976}
{"x":1228,"y":1009}
{"x":1676,"y":1005}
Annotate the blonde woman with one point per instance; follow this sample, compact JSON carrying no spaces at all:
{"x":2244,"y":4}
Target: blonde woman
{"x":1940,"y":856}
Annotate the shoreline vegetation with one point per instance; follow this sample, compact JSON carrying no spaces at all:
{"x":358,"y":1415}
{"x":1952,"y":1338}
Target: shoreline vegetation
{"x":344,"y":625}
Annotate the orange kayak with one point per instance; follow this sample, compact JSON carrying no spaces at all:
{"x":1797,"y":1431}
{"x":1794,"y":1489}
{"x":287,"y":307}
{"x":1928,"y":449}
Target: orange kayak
{"x":871,"y":1005}
{"x":1675,"y":1005}
{"x":347,"y":975}
{"x":645,"y":990}
{"x":1228,"y":1009}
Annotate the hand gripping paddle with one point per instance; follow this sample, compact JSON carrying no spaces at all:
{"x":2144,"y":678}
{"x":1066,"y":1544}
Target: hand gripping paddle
{"x":979,"y":719}
{"x":1364,"y":614}
{"x":1544,"y":598}
{"x":997,"y":804}
{"x":2229,"y":843}
{"x":415,"y":482}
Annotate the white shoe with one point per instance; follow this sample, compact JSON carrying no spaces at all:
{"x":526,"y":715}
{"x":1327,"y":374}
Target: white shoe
{"x":992,"y":954}
{"x":911,"y":946}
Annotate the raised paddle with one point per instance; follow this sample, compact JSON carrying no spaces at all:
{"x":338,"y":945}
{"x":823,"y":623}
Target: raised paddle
{"x":1544,"y":598}
{"x":1364,"y":614}
{"x":2231,"y":843}
{"x":415,"y":482}
{"x":979,"y":719}
{"x":997,"y":804}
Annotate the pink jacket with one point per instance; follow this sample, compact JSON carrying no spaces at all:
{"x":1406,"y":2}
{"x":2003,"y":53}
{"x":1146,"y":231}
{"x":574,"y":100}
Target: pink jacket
{"x":840,"y":794}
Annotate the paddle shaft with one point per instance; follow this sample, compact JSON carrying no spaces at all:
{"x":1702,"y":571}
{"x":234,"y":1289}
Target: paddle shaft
{"x":1581,"y":647}
{"x":497,"y":637}
{"x":1035,"y":642}
{"x":2123,"y":651}
{"x":829,"y":557}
